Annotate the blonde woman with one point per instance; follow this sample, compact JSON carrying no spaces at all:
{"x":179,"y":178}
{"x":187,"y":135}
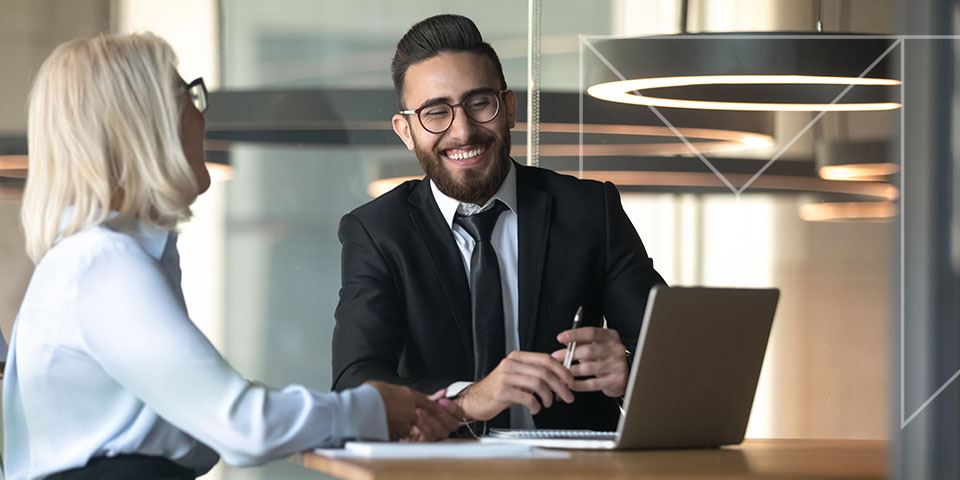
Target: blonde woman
{"x":106,"y":376}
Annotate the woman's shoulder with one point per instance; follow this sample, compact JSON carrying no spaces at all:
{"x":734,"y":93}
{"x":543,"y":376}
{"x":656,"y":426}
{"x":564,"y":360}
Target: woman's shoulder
{"x":79,"y":264}
{"x":90,"y":246}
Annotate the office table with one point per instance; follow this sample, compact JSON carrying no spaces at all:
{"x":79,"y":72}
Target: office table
{"x":754,"y":459}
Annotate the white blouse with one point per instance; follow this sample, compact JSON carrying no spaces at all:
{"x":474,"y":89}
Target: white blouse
{"x":104,"y":360}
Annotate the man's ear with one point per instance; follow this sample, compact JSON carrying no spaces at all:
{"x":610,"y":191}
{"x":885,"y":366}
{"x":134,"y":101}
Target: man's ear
{"x":510,"y":99}
{"x":402,"y":128}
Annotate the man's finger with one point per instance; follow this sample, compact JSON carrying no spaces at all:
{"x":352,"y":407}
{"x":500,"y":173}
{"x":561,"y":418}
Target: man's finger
{"x":427,"y":424}
{"x":527,"y":399}
{"x":421,"y":401}
{"x":588,"y":385}
{"x":534,"y":384}
{"x":598,"y":368}
{"x":416,"y":435}
{"x":451,"y":407}
{"x":596,"y":351}
{"x":533,"y":375}
{"x":448,"y":417}
{"x":431,"y":426}
{"x":442,"y":393}
{"x":553,"y":365}
{"x":588,"y":335}
{"x":520,"y":360}
{"x":529,"y":357}
{"x":559,"y":355}
{"x":585,"y":369}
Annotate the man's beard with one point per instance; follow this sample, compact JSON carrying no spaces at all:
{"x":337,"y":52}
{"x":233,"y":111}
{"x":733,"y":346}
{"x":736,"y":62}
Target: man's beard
{"x":476,"y":186}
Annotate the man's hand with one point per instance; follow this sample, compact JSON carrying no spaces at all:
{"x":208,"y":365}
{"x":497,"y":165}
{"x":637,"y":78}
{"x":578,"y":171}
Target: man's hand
{"x":402,"y":406}
{"x":431,"y":428}
{"x":515,"y":381}
{"x":602,"y":357}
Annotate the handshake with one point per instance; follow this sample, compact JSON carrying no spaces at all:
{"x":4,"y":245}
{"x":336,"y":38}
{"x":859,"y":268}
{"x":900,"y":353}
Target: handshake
{"x":415,"y":417}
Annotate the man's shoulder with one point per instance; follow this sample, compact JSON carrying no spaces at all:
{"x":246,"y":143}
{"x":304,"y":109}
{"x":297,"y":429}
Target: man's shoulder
{"x":390,"y":205}
{"x":554,"y":182}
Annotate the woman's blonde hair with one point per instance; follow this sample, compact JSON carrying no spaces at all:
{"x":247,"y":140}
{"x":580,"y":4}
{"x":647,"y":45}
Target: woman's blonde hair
{"x":104,"y":134}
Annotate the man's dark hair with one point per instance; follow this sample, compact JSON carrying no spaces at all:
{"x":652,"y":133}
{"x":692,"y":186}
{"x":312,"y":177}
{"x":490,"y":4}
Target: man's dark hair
{"x":436,"y":35}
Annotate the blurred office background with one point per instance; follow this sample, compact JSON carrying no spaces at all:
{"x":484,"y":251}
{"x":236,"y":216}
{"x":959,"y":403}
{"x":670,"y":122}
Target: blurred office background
{"x":299,"y":135}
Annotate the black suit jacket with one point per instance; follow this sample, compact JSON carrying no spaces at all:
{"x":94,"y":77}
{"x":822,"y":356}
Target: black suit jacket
{"x":404,"y":312}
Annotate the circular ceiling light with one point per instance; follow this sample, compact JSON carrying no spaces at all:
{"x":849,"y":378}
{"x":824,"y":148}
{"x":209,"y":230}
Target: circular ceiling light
{"x":641,"y":140}
{"x":362,"y":117}
{"x":848,"y":211}
{"x":769,"y":72}
{"x":678,"y":175}
{"x":13,"y":166}
{"x":13,"y":156}
{"x":631,"y":91}
{"x":854,"y":161}
{"x":692,"y":181}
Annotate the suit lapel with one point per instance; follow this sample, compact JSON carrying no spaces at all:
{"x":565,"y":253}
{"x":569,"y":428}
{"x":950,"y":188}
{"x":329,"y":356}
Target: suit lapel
{"x":447,"y":261}
{"x":533,"y":227}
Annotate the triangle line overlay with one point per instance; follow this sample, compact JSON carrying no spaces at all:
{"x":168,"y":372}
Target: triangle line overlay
{"x":773,"y":159}
{"x":929,"y":400}
{"x":737,"y":192}
{"x":666,"y":122}
{"x":817,"y":118}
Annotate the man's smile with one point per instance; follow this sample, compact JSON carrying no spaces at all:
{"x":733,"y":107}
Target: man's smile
{"x":467,"y":155}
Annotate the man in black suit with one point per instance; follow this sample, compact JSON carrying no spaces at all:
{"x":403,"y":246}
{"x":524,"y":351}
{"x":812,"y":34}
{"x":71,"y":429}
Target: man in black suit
{"x":426,"y":302}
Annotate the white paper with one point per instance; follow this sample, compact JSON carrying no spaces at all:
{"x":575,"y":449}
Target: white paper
{"x":439,"y":450}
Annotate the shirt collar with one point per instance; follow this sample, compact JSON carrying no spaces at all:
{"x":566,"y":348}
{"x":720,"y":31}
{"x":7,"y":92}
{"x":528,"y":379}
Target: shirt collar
{"x":507,"y":193}
{"x":151,"y":238}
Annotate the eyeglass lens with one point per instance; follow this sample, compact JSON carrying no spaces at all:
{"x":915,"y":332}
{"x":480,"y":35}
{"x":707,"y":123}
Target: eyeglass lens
{"x":481,"y":107}
{"x":198,"y":94}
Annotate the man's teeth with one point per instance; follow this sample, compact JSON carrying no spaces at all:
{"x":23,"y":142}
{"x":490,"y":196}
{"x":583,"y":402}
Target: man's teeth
{"x":465,"y":155}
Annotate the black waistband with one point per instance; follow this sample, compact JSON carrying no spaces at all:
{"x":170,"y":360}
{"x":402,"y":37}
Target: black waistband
{"x":127,"y":467}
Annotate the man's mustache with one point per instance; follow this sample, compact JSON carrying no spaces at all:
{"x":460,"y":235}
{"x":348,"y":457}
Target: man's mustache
{"x":473,"y":140}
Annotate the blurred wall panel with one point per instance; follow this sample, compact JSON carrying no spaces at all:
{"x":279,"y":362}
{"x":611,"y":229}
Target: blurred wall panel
{"x":29,"y":31}
{"x":927,"y":422}
{"x":825,"y":374}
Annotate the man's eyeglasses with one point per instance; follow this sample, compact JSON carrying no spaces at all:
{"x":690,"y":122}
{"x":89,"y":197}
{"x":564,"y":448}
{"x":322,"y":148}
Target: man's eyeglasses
{"x":481,"y":107}
{"x":197,"y":90}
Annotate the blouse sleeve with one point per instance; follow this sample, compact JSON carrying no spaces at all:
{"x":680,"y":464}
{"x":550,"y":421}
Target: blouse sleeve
{"x":132,"y":323}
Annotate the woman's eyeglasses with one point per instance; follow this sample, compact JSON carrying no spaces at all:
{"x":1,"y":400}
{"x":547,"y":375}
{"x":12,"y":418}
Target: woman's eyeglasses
{"x":197,"y":90}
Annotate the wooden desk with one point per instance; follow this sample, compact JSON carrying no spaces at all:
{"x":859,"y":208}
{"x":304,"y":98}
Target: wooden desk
{"x":754,"y":459}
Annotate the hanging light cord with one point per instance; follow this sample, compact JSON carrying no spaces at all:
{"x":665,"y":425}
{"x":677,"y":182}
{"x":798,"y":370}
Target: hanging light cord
{"x":533,"y":84}
{"x":819,"y":16}
{"x":684,"y":8}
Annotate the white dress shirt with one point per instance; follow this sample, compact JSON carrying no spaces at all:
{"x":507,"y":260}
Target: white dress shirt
{"x":104,"y":361}
{"x":504,"y":241}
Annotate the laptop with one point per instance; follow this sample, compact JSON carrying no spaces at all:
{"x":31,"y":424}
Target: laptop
{"x":693,"y":378}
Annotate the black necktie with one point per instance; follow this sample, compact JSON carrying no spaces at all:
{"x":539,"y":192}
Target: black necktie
{"x":489,"y":340}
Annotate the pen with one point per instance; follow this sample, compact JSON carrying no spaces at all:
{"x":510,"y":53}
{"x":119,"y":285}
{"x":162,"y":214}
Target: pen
{"x":568,"y":358}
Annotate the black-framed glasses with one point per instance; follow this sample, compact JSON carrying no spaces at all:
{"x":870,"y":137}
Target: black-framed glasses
{"x":481,"y":107}
{"x":197,"y":90}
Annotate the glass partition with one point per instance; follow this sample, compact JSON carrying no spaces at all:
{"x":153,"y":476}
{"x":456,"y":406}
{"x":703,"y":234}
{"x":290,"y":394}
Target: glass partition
{"x":298,"y":129}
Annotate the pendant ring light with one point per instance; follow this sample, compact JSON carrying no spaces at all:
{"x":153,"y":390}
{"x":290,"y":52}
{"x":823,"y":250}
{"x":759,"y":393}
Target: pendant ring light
{"x":749,"y":72}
